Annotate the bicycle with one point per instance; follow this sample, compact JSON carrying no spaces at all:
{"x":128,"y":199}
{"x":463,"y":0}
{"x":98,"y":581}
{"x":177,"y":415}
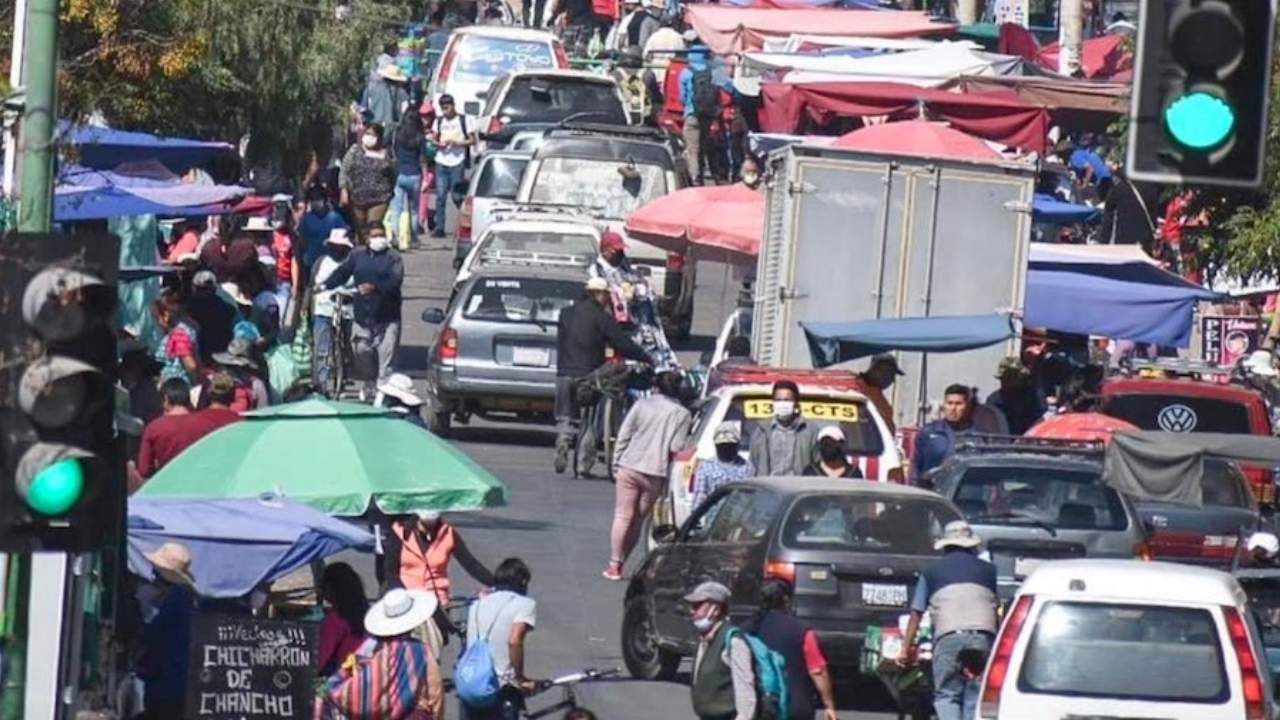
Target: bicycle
{"x":570,"y":701}
{"x":604,"y":397}
{"x":340,"y":355}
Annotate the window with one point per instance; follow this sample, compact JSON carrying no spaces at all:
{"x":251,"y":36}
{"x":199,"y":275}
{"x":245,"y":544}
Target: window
{"x":702,"y":417}
{"x":1223,"y":485}
{"x":500,"y":178}
{"x":482,"y":59}
{"x":543,"y":242}
{"x":1180,"y":413}
{"x":609,"y":189}
{"x":520,"y":299}
{"x":552,"y":99}
{"x":1125,"y":651}
{"x":862,"y":436}
{"x":700,"y":524}
{"x":1066,"y":499}
{"x":866,"y":523}
{"x":745,"y":517}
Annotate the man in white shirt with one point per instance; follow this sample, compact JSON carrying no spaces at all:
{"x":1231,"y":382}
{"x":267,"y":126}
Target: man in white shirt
{"x":336,"y":248}
{"x":503,"y":618}
{"x":453,"y":141}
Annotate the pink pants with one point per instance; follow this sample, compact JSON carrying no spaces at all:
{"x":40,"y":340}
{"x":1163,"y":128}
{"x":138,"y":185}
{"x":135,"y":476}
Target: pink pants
{"x":634,"y":496}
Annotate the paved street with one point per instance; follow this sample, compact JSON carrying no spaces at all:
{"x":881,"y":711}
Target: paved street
{"x":559,"y":525}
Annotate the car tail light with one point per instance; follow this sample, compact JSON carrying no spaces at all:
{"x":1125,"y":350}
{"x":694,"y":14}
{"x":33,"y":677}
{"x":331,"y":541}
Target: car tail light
{"x":999,"y":668}
{"x":1263,"y":483}
{"x":495,"y":125}
{"x":562,"y":58}
{"x":1250,"y":678}
{"x":776,"y":570}
{"x":1219,"y":546}
{"x":675,"y":262}
{"x":448,"y":347}
{"x":1142,"y":551}
{"x":1175,"y":544}
{"x":873,"y":467}
{"x":446,"y":65}
{"x":464,"y":218}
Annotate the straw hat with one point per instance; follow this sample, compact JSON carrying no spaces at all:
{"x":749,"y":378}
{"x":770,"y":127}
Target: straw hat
{"x":258,"y":223}
{"x":233,"y":291}
{"x":399,"y":611}
{"x":392,"y":72}
{"x":238,"y":353}
{"x":172,"y":562}
{"x":400,"y":387}
{"x":957,"y":533}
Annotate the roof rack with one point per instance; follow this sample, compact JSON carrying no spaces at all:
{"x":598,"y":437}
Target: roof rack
{"x":553,"y":211}
{"x":1180,"y":367}
{"x":632,"y":131}
{"x":976,"y":444}
{"x":533,"y":257}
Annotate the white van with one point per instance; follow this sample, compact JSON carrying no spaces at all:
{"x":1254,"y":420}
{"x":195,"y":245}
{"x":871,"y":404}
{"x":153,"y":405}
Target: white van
{"x":1128,"y":639}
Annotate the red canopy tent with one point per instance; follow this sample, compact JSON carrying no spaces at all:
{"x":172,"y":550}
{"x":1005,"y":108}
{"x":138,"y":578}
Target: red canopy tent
{"x":728,"y":30}
{"x":723,"y":222}
{"x":917,"y":137}
{"x":1002,"y":119}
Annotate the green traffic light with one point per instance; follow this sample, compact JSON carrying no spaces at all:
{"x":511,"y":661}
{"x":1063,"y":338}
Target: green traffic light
{"x":57,"y":488}
{"x":1200,"y":120}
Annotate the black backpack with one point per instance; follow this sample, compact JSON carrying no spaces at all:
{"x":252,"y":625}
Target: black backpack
{"x":706,"y":96}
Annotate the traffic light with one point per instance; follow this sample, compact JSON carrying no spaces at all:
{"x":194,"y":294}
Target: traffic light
{"x":63,"y":482}
{"x":1201,"y":91}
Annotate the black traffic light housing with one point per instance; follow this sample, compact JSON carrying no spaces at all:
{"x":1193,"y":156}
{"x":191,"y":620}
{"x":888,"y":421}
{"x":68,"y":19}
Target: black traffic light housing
{"x":1202,"y":86}
{"x":63,"y":483}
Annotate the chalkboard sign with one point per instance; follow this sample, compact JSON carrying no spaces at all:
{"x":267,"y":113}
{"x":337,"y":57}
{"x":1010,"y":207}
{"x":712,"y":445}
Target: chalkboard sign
{"x":244,"y":669}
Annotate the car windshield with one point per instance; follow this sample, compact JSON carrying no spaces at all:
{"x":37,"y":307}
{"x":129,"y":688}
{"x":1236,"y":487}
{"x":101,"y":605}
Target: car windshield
{"x":604,"y":188}
{"x":481,"y":59}
{"x":535,"y":300}
{"x":866,"y":523}
{"x":1066,"y":499}
{"x":1180,"y":413}
{"x":500,"y":178}
{"x":510,"y":241}
{"x":862,"y":435}
{"x":1125,"y":652}
{"x":552,"y":99}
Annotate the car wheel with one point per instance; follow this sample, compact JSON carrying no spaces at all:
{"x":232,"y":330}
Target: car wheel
{"x":644,"y":659}
{"x":438,"y":419}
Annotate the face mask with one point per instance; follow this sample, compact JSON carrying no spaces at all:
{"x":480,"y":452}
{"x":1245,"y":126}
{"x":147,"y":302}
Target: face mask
{"x":750,"y":178}
{"x":830,"y":451}
{"x":727,"y":453}
{"x":379,"y":244}
{"x":703,"y":624}
{"x":369,"y":142}
{"x":338,"y":254}
{"x":317,"y":208}
{"x":784,"y":409}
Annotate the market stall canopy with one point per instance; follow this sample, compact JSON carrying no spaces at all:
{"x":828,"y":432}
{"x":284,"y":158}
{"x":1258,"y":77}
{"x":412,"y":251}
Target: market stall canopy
{"x":1105,"y":56}
{"x":1109,"y":290}
{"x":1085,"y":426}
{"x":918,"y":137}
{"x":105,"y":148}
{"x":237,"y":544}
{"x":728,"y":30}
{"x":929,"y":67}
{"x":723,"y":223}
{"x":1049,"y":209}
{"x":997,"y":118}
{"x":802,"y":42}
{"x":1053,"y":93}
{"x":1168,"y":466}
{"x":340,"y":458}
{"x":837,"y":342}
{"x":73,"y":203}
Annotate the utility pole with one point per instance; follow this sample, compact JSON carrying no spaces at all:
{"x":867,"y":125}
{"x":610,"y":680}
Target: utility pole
{"x":39,"y":117}
{"x":967,"y":11}
{"x":1070,"y":28}
{"x":15,"y":86}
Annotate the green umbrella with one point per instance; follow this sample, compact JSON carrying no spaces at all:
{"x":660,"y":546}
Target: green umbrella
{"x":336,"y":457}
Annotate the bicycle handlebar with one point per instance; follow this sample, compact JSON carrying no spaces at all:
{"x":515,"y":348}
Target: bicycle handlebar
{"x":586,"y":675}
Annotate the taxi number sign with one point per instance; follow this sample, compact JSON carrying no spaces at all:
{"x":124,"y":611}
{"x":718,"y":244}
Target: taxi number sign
{"x":812,"y":410}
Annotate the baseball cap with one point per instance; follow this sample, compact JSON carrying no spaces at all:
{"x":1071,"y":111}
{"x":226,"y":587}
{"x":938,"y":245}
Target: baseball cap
{"x":709,"y":591}
{"x":727,"y":432}
{"x":610,"y":240}
{"x":887,"y":359}
{"x":205,"y":278}
{"x":1011,"y":365}
{"x":596,"y":284}
{"x":831,"y":432}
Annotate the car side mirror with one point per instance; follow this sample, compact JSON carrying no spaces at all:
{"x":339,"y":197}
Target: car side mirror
{"x":434,"y":316}
{"x":471,"y":108}
{"x":665,"y":534}
{"x":457,"y":263}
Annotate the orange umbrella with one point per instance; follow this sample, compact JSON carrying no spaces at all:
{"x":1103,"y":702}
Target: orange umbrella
{"x":1080,"y":426}
{"x":917,"y":137}
{"x":722,"y":222}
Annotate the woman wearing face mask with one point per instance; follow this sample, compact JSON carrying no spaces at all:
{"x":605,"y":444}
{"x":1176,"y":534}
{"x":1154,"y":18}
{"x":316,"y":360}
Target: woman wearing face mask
{"x":833,"y":460}
{"x":727,"y":466}
{"x":368,"y":180}
{"x":750,"y":172}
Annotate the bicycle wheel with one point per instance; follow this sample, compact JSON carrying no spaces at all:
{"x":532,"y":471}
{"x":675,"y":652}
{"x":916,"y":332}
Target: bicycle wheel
{"x":610,"y":423}
{"x":584,"y":450}
{"x":337,"y":361}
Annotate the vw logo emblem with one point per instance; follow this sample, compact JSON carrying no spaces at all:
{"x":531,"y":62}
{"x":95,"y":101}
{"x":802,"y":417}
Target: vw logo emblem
{"x":1177,"y":418}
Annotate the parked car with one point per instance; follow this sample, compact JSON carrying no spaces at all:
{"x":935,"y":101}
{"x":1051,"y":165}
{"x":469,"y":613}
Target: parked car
{"x":1126,"y":639}
{"x":534,"y":100}
{"x":1184,"y":404}
{"x":1037,"y":500}
{"x":495,"y":353}
{"x":477,"y":55}
{"x":535,"y":239}
{"x":607,"y":172}
{"x":853,"y":550}
{"x":495,"y":180}
{"x":1209,"y":534}
{"x":744,"y":396}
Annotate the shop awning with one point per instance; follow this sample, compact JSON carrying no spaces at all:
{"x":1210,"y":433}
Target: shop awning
{"x":1052,"y":93}
{"x":918,"y":137}
{"x":728,"y":30}
{"x":837,"y":342}
{"x":105,"y":148}
{"x":1048,"y":209}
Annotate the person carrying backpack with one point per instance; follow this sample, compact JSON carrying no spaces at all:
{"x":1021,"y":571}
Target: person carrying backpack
{"x":806,"y":669}
{"x":489,"y":677}
{"x":735,"y":675}
{"x":454,"y":141}
{"x":701,"y":100}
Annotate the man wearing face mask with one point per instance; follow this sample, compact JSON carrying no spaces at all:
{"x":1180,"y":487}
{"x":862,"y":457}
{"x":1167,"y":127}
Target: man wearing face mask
{"x":833,"y":460}
{"x":724,"y":679}
{"x":785,"y":445}
{"x":750,"y":172}
{"x":337,"y":248}
{"x":727,"y":466}
{"x":316,"y":226}
{"x":378,"y":272}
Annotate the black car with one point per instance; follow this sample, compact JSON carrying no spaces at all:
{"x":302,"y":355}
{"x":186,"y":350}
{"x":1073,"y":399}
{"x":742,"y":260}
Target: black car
{"x":1208,"y":534}
{"x":852,"y":549}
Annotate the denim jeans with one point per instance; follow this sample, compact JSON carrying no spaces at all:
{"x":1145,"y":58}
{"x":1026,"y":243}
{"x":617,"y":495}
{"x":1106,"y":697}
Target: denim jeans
{"x":448,"y":180}
{"x":322,"y":339}
{"x":954,"y":697}
{"x":406,"y":200}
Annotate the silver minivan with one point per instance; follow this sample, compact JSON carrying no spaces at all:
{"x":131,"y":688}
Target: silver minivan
{"x":495,"y":354}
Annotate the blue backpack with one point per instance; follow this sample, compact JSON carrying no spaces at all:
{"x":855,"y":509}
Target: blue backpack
{"x":474,"y":677}
{"x":772,"y":696}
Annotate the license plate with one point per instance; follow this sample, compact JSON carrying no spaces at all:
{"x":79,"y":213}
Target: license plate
{"x":533,"y":356}
{"x":887,"y":595}
{"x":1023,"y":567}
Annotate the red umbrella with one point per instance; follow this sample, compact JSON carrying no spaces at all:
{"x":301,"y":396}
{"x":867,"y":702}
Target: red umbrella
{"x":917,"y":137}
{"x":1080,"y":426}
{"x":723,"y":222}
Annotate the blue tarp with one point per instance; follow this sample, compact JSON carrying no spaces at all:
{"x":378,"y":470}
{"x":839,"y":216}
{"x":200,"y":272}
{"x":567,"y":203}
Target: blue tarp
{"x":105,"y":148}
{"x":836,"y":342}
{"x":72,"y":204}
{"x":1048,"y":209}
{"x":237,"y":544}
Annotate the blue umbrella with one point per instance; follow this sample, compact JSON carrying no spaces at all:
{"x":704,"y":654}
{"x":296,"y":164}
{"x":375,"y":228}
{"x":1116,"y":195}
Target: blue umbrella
{"x":237,"y":544}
